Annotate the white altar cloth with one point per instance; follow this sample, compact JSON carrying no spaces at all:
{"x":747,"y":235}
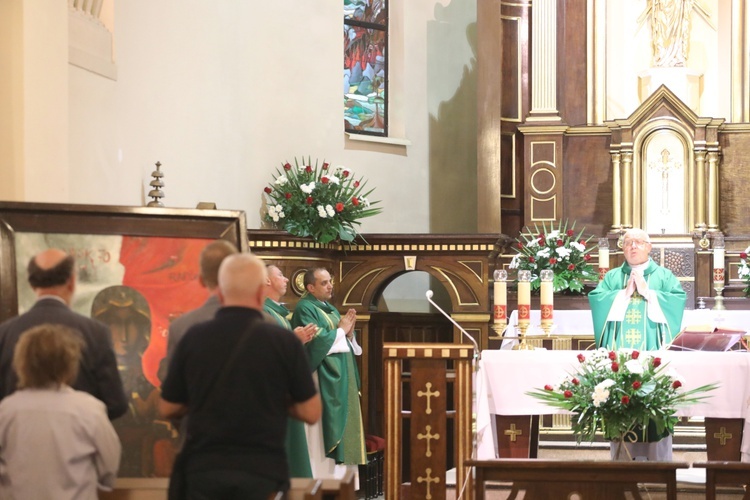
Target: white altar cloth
{"x":506,"y":376}
{"x":578,"y":322}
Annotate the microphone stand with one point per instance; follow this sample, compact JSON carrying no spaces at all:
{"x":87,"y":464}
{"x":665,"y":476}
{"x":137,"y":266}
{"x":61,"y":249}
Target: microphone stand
{"x":475,"y":378}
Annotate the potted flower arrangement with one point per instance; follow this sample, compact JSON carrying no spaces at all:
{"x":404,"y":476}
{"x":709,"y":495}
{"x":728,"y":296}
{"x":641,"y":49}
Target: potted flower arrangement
{"x":320,"y":201}
{"x":561,"y":249}
{"x":618,"y":393}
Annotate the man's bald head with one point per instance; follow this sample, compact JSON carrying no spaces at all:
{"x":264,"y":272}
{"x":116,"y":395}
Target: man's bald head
{"x":242,"y":279}
{"x":50,"y":268}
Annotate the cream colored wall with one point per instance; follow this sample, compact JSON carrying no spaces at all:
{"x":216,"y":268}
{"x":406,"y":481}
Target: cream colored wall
{"x":629,"y":52}
{"x":222,"y":93}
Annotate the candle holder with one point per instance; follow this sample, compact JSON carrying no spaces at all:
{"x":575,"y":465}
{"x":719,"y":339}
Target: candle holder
{"x":500,"y":304}
{"x":521,"y":334}
{"x":603,"y":257}
{"x":546,"y":300}
{"x":718,"y":274}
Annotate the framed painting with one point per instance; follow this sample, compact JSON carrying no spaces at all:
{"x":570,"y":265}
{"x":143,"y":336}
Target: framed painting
{"x":137,"y":270}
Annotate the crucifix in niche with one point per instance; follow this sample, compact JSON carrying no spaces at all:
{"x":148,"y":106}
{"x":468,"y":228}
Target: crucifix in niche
{"x":664,"y":167}
{"x":664,"y":183}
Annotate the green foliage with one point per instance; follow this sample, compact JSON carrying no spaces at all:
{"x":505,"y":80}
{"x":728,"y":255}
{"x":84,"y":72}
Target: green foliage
{"x":560,"y":249}
{"x":617,"y":392}
{"x":320,"y":201}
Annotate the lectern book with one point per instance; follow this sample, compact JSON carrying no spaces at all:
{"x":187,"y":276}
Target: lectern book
{"x":706,"y":338}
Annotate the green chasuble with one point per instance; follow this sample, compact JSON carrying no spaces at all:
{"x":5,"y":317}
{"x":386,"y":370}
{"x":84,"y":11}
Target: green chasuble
{"x":296,"y":441}
{"x":636,"y":330}
{"x":338,"y":378}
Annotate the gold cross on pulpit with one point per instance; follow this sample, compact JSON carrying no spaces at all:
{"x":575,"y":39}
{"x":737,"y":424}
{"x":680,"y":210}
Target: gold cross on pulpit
{"x":513,"y":433}
{"x":427,"y":478}
{"x":722,"y":436}
{"x":428,"y":394}
{"x":633,"y":336}
{"x":633,"y":316}
{"x":429,"y":437}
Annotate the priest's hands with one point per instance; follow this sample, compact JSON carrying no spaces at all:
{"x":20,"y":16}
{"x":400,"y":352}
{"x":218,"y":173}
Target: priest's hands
{"x":347,"y":323}
{"x":306,"y":333}
{"x":636,"y":282}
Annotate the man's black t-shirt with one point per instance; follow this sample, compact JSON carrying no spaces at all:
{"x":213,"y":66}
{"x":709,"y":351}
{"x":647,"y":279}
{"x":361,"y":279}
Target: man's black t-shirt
{"x":244,"y":426}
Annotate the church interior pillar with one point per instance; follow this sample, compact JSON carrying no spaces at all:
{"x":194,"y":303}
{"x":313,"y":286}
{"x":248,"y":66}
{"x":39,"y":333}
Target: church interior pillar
{"x":628,"y":189}
{"x":544,"y":62}
{"x":740,"y":65}
{"x":700,"y":189}
{"x":616,"y":193}
{"x":713,"y":190}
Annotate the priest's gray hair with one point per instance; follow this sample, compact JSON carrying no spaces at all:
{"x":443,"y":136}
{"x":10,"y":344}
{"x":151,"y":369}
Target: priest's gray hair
{"x":636,"y":234}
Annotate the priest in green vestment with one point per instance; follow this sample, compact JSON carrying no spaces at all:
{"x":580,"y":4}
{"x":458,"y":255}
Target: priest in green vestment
{"x":639,"y":305}
{"x":331,"y":354}
{"x":296,"y":439}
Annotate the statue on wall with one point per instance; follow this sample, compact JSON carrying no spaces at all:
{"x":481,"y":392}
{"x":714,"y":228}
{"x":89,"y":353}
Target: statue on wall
{"x":670,"y":30}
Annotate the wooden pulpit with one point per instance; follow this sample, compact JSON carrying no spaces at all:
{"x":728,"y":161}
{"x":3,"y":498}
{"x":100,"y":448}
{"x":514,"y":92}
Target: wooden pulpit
{"x":425,"y":373}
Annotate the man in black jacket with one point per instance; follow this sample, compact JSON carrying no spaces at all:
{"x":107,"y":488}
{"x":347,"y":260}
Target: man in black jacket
{"x":52,"y":277}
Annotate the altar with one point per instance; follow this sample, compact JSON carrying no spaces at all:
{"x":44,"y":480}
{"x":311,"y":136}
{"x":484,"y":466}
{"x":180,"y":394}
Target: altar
{"x":505,"y":377}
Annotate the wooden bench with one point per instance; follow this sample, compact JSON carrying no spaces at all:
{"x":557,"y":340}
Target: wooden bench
{"x":559,"y":479}
{"x":729,"y":473}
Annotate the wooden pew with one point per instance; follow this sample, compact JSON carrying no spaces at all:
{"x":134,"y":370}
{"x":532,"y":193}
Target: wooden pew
{"x":558,"y":479}
{"x":730,"y":473}
{"x":339,"y":489}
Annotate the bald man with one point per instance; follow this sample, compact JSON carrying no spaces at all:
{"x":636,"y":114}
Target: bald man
{"x":51,"y":275}
{"x":237,"y":419}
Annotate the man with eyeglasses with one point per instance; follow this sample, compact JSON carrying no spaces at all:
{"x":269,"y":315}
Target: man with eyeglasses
{"x":639,"y":305}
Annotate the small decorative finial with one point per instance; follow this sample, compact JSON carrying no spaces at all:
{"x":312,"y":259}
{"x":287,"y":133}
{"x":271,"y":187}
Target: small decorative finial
{"x":156,"y":193}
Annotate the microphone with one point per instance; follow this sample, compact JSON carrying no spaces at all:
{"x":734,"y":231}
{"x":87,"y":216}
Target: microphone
{"x":429,"y":295}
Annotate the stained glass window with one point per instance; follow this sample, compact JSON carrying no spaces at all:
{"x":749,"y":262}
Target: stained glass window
{"x":365,"y":67}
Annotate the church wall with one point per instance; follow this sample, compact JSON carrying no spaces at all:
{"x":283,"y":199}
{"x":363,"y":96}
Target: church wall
{"x":587,"y":190}
{"x":222,"y":94}
{"x":734,"y":179}
{"x":571,"y":63}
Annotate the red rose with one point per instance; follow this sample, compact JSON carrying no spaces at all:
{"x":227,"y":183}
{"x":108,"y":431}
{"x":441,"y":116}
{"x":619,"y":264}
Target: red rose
{"x":612,"y":355}
{"x":268,"y":190}
{"x":571,"y":267}
{"x":569,"y":232}
{"x":636,"y":385}
{"x":615,"y":367}
{"x":356,"y":184}
{"x":568,"y":394}
{"x":532,"y":259}
{"x":575,"y":381}
{"x":560,"y":243}
{"x":520,"y":245}
{"x":581,"y":357}
{"x":656,"y":362}
{"x":625,"y":400}
{"x":339,"y":207}
{"x":308,"y":169}
{"x":309,"y":200}
{"x":587,"y":257}
{"x":635,"y":354}
{"x":325,"y":166}
{"x":355,"y":201}
{"x":582,"y":242}
{"x":288,"y":195}
{"x":345,"y":173}
{"x":541,"y":240}
{"x":547,"y":387}
{"x":287,"y":166}
{"x":541,"y":236}
{"x":553,"y":261}
{"x":743,"y":255}
{"x":324,"y":180}
{"x":676,"y":384}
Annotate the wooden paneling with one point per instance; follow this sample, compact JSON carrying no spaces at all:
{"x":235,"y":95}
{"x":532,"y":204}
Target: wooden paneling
{"x":587,"y":192}
{"x":571,"y":61}
{"x":734,"y":173}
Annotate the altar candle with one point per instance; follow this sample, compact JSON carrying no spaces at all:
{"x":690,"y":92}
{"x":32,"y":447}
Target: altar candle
{"x":524,"y":297}
{"x":603,"y":257}
{"x":546,"y":297}
{"x":501,"y":301}
{"x":719,"y":264}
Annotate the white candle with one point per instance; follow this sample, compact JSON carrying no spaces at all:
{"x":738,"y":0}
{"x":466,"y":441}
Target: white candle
{"x":718,"y":258}
{"x":524,"y":302}
{"x":501,"y":302}
{"x":603,"y":258}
